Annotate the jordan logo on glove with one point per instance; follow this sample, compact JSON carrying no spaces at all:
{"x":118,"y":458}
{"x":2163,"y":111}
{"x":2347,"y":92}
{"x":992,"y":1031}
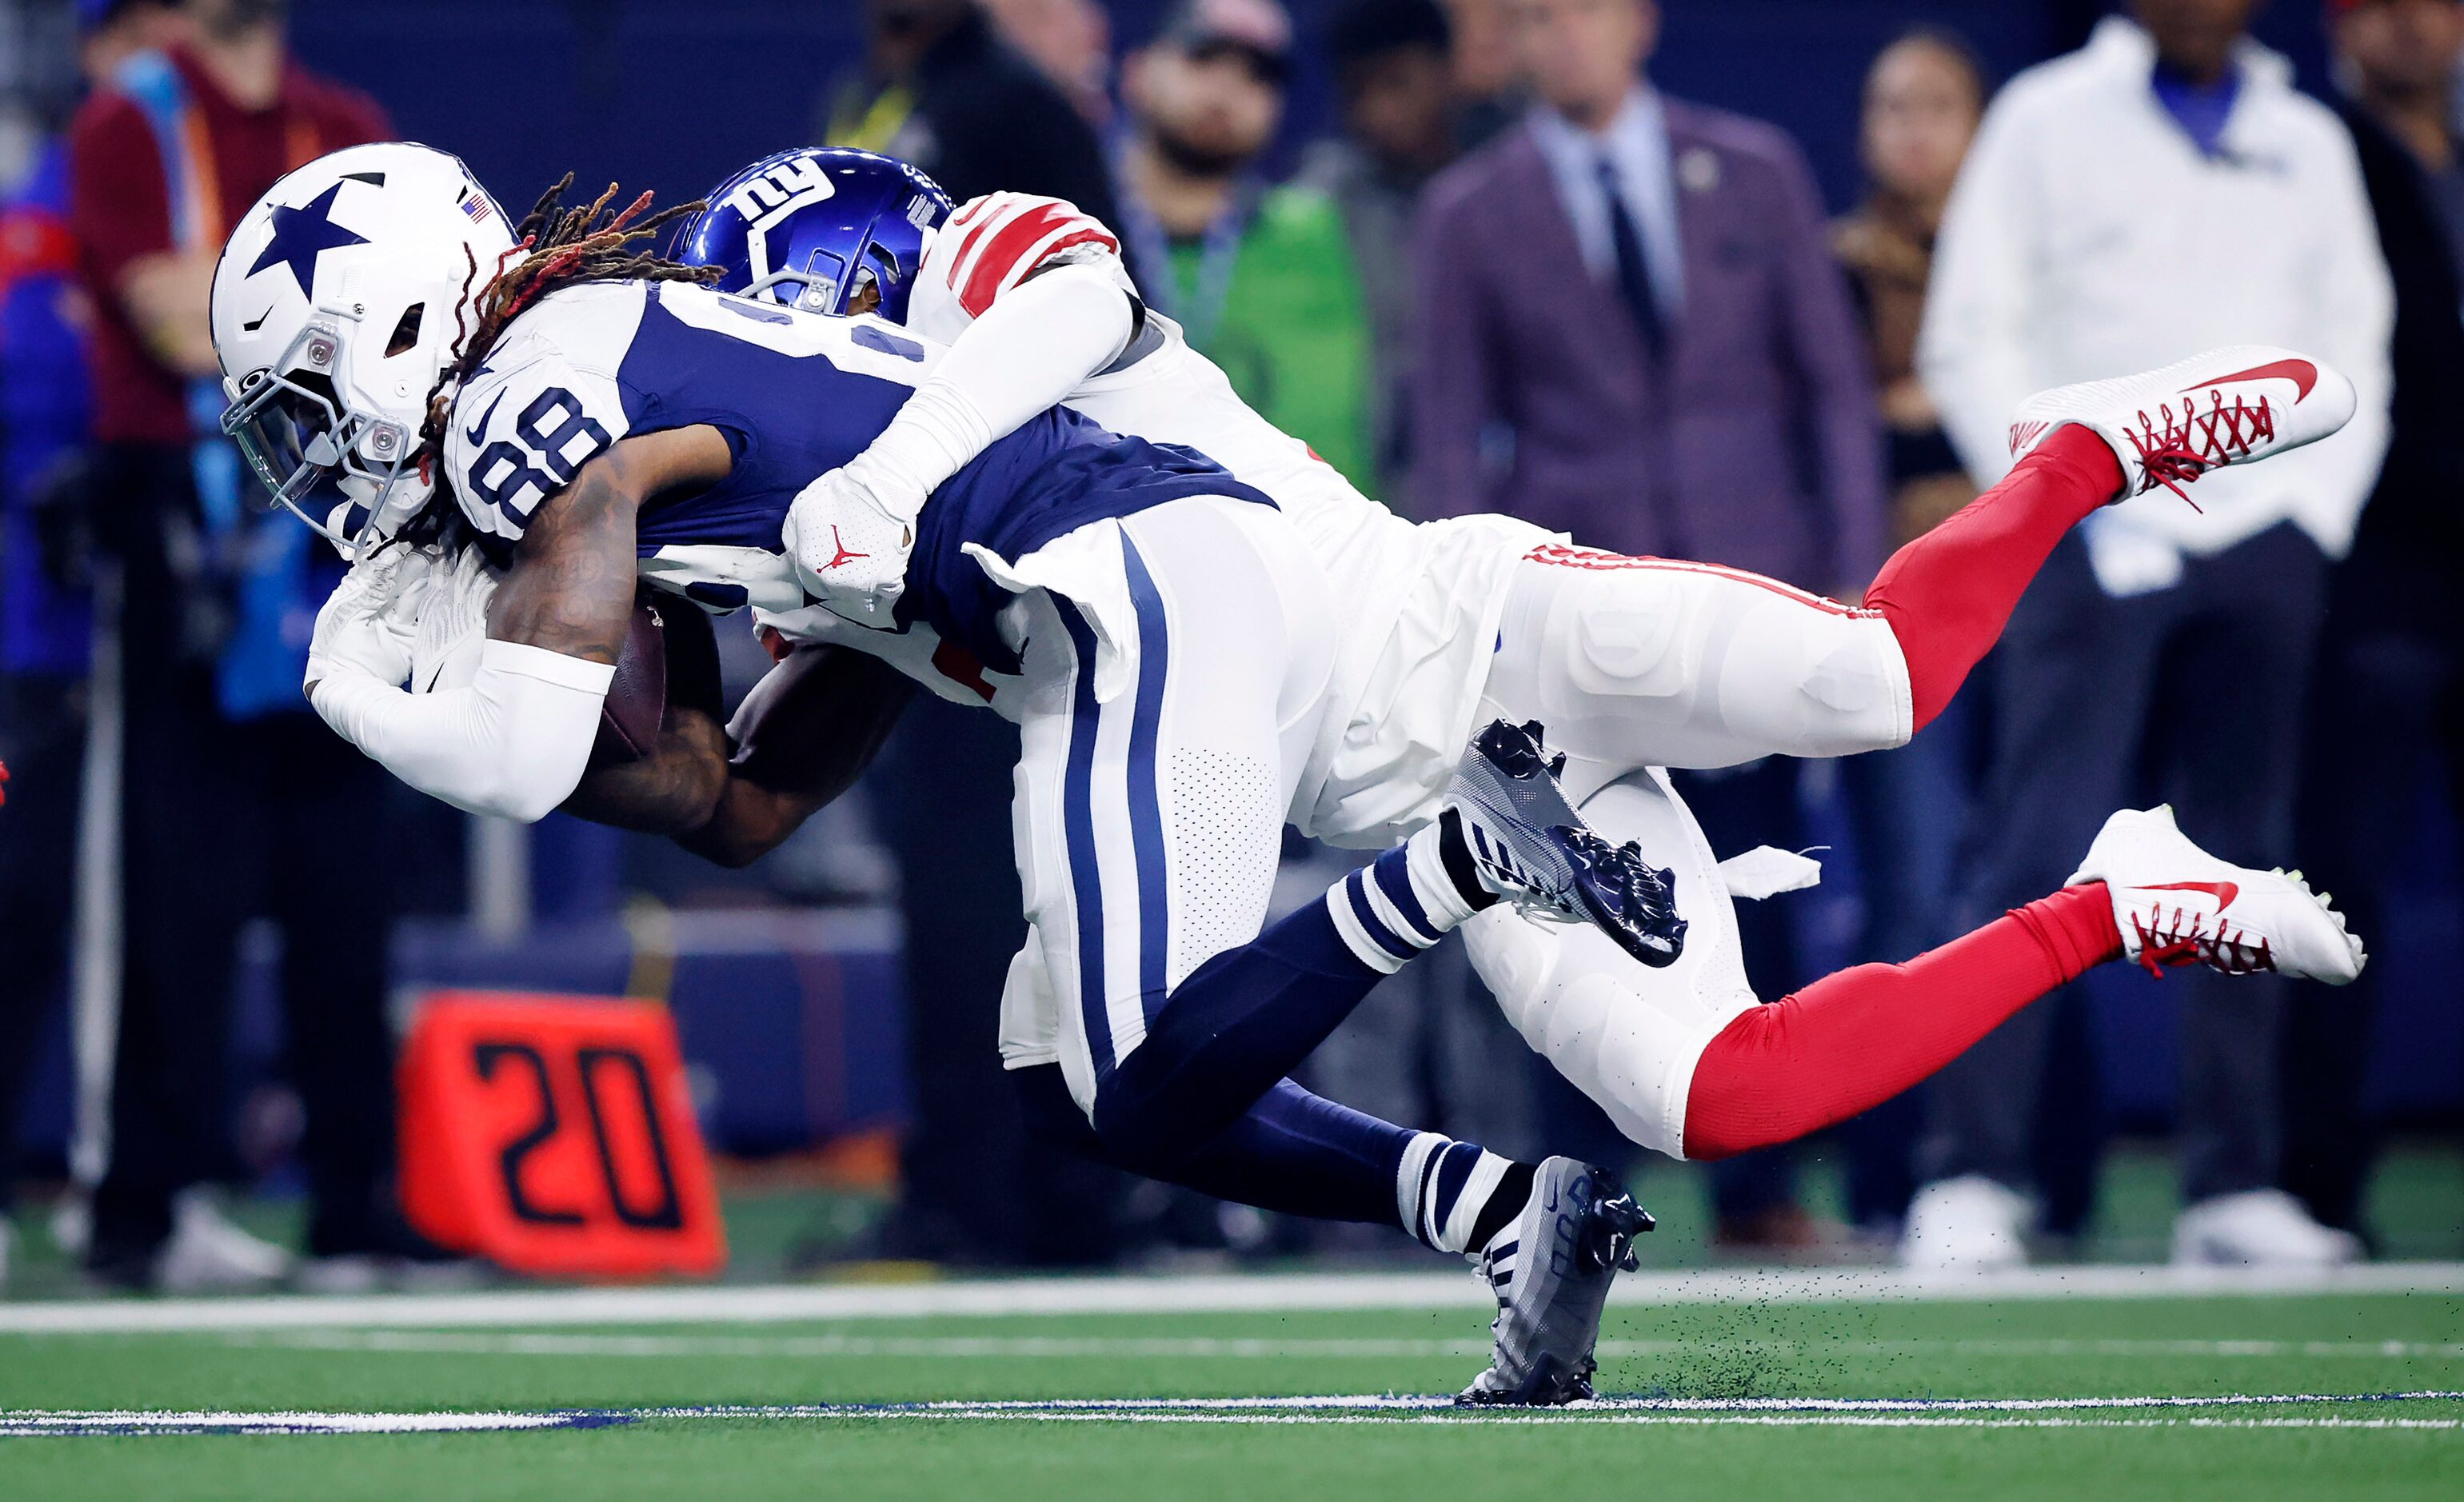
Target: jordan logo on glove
{"x":849,"y":548}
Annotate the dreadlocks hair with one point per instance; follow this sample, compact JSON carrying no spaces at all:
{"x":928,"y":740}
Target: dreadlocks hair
{"x":554,"y":248}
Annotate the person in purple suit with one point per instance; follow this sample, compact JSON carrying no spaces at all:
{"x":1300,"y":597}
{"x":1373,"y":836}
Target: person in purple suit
{"x":1633,"y":331}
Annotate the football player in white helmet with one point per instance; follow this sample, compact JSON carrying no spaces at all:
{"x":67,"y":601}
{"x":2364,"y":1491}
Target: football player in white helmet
{"x":591,"y":416}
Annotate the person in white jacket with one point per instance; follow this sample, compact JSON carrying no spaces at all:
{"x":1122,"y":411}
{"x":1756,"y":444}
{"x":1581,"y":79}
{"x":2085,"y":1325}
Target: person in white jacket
{"x":2124,"y":205}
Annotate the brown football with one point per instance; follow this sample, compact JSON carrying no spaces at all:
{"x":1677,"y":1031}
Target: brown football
{"x":637,"y":700}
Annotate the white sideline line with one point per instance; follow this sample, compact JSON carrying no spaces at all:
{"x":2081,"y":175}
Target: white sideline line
{"x":421,"y":1342}
{"x":1781,"y":1421}
{"x":1773,"y":1412}
{"x":69,"y":1427}
{"x":1162,"y":1296}
{"x":1402,"y":1402}
{"x":21,"y":1423}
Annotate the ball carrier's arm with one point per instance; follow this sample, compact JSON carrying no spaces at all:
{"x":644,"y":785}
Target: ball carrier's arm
{"x":514,"y":740}
{"x":732,"y":794}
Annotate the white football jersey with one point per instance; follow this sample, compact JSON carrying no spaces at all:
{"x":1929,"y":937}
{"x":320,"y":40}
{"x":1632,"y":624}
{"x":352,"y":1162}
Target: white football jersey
{"x":1424,"y":601}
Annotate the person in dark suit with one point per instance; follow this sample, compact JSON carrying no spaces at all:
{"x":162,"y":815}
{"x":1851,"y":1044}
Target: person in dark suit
{"x":2391,"y":657}
{"x":1633,"y":331}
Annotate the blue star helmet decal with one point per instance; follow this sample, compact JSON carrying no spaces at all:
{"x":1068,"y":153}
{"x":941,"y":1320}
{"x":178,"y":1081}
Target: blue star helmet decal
{"x":302,"y":235}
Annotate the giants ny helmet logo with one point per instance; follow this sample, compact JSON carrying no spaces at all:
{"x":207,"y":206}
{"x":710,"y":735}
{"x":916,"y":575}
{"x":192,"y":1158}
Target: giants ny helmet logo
{"x":767,"y":198}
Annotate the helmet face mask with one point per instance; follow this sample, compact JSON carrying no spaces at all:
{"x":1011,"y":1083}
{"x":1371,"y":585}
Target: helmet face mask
{"x":297,"y":434}
{"x":815,"y":289}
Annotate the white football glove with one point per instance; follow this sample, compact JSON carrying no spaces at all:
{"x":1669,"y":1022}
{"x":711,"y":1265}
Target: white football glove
{"x":367,"y":623}
{"x":452,"y":623}
{"x":849,"y":546}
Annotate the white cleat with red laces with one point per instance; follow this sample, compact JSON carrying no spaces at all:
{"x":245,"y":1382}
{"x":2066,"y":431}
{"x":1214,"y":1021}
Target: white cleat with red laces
{"x":2176,"y":904}
{"x":2230,"y":406}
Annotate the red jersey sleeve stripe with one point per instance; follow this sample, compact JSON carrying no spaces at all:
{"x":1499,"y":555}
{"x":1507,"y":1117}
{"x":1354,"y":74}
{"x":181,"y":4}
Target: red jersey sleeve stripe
{"x":989,"y":211}
{"x":1003,"y":253}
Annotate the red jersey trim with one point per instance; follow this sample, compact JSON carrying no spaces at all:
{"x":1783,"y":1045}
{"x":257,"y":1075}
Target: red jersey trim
{"x":1562,"y":556}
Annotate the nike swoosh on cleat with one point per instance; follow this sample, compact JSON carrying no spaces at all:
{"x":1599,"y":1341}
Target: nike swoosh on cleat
{"x":2223,"y":891}
{"x":480,"y":428}
{"x":2300,"y":372}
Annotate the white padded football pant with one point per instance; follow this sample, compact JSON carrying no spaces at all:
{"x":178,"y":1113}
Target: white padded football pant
{"x":1149,"y":819}
{"x":1633,"y":664}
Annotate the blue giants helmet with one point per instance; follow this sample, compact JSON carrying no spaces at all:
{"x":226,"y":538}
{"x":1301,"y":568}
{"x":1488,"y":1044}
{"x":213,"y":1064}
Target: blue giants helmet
{"x":809,"y":228}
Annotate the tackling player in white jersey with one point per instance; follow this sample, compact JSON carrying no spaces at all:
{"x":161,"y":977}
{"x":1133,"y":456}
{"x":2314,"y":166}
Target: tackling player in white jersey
{"x":1633,"y":664}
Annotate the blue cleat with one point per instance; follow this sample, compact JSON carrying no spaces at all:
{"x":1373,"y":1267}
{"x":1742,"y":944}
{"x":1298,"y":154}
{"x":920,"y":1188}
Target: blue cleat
{"x":1538,"y":853}
{"x":1550,"y":1270}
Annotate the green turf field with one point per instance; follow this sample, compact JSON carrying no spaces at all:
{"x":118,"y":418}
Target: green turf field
{"x":1744,"y":1400}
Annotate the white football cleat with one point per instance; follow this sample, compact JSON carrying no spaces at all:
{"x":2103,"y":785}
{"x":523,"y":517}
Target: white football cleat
{"x":210,"y":1253}
{"x":2230,"y":406}
{"x":2176,"y":904}
{"x":1970,"y":1224}
{"x":2259,"y":1228}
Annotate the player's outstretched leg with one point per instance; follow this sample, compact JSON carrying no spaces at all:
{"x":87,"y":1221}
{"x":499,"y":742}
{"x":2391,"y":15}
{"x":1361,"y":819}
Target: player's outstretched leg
{"x":1639,"y":662}
{"x":1853,"y":1040}
{"x":1687,"y":1062}
{"x":1947,"y":594}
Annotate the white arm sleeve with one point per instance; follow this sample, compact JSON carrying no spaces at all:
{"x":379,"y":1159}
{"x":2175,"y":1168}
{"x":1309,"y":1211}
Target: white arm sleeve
{"x":1026,"y":352}
{"x":514,"y":741}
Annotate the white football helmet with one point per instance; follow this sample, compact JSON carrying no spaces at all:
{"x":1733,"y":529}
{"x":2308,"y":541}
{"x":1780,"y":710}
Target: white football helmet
{"x":337,"y":304}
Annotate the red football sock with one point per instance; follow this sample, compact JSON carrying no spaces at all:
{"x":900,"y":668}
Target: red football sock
{"x":1947,"y":594}
{"x":1851,"y":1041}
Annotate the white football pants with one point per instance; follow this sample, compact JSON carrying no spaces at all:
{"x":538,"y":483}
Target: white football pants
{"x":1633,"y":664}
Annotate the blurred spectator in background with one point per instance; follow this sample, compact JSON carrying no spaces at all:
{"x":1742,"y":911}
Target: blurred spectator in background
{"x":1633,"y":331}
{"x":45,"y":627}
{"x":940,"y":88}
{"x":2161,"y":192}
{"x":1071,"y":41}
{"x":1923,"y":96}
{"x":1488,"y":92}
{"x":1260,"y":277}
{"x":2388,"y":701}
{"x":1393,"y":72}
{"x":238,"y":802}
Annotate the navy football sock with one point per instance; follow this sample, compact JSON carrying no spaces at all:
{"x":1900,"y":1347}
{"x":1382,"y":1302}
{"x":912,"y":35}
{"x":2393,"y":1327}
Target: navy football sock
{"x":1247,"y":1017}
{"x":1298,"y":1154}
